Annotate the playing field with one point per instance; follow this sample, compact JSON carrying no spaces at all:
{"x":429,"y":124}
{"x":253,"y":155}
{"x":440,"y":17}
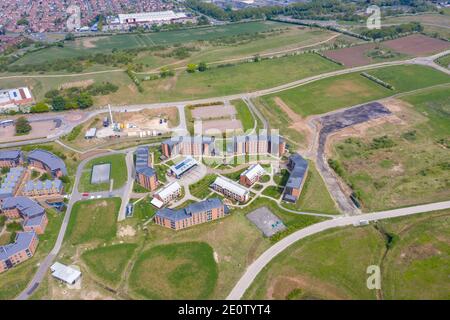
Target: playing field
{"x":175,"y":271}
{"x":333,"y":264}
{"x":93,"y":220}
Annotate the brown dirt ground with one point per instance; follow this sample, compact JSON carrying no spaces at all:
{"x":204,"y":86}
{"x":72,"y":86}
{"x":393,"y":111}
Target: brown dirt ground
{"x":209,"y":112}
{"x":353,"y":56}
{"x":417,"y":45}
{"x":281,"y":286}
{"x":89,"y":43}
{"x":141,"y":117}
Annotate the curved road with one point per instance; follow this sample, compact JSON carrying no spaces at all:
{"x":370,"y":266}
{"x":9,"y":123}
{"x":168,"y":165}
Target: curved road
{"x":252,"y":271}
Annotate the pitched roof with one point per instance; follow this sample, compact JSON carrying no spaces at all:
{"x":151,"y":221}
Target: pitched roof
{"x":10,"y":154}
{"x":253,"y":170}
{"x":49,"y":159}
{"x":181,"y":214}
{"x":22,"y":242}
{"x":142,"y":167}
{"x":25,"y":205}
{"x":230,"y":185}
{"x":298,"y":172}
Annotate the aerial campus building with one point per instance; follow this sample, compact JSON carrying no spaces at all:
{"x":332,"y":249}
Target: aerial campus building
{"x":251,"y":175}
{"x":47,"y":161}
{"x":11,"y":158}
{"x":231,"y":189}
{"x":238,"y":145}
{"x":298,"y":167}
{"x":11,"y":183}
{"x":145,"y":174}
{"x":183,"y":167}
{"x":43,"y":188}
{"x":170,"y":192}
{"x":32,"y":214}
{"x":190,"y":146}
{"x":193,"y":214}
{"x":20,"y":250}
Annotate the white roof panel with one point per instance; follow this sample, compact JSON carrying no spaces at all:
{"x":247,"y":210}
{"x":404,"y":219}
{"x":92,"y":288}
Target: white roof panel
{"x":232,"y":186}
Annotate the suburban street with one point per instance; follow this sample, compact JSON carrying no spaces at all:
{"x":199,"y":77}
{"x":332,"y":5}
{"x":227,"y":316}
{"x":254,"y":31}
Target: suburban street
{"x":255,"y":268}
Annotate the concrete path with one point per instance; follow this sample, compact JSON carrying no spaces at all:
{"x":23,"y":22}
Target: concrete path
{"x":255,"y":268}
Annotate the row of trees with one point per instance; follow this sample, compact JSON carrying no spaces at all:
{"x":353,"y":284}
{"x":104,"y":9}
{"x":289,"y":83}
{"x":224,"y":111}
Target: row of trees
{"x":392,"y":31}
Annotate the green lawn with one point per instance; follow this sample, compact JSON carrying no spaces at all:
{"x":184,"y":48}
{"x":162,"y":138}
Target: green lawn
{"x":108,"y":263}
{"x":201,"y":189}
{"x":93,"y":220}
{"x":144,"y":210}
{"x":333,"y":264}
{"x":175,"y":271}
{"x":273,"y":191}
{"x":351,"y":89}
{"x":444,"y":61}
{"x":118,"y":173}
{"x":244,"y":114}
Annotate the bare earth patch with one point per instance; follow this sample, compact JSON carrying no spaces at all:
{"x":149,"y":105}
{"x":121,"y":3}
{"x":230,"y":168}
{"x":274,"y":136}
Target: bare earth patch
{"x":126,"y":231}
{"x":417,"y":45}
{"x":210,"y":112}
{"x":281,"y":286}
{"x":353,"y":56}
{"x":77,"y":84}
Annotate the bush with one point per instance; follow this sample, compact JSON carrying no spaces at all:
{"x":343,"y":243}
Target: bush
{"x":40,"y":107}
{"x":382,"y":143}
{"x":22,"y":126}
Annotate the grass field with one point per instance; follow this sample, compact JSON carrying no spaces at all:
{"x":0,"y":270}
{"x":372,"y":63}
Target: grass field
{"x":332,"y":264}
{"x":118,"y":173}
{"x":13,"y":281}
{"x":93,"y":220}
{"x":347,"y":90}
{"x":414,"y":168}
{"x":201,"y":189}
{"x":444,"y":61}
{"x":244,"y":114}
{"x":108,"y":263}
{"x":175,"y":271}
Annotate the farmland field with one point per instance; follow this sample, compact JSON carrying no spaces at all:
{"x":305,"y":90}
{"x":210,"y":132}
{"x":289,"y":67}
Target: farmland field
{"x":411,"y":166}
{"x":332,"y":264}
{"x":417,"y":45}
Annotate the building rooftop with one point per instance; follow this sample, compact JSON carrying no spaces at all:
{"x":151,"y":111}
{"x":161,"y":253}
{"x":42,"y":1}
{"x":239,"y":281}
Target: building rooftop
{"x":10,"y":154}
{"x":298,"y":171}
{"x":253,"y":171}
{"x":22,"y":242}
{"x":181,"y":214}
{"x":183,"y":166}
{"x":25,"y":205}
{"x":151,"y":16}
{"x":142,"y":167}
{"x":43,"y":185}
{"x":169,"y":189}
{"x":230,"y":185}
{"x":65,"y":273}
{"x":52,"y":161}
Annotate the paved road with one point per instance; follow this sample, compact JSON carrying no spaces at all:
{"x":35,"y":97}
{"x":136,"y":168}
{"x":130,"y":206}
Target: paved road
{"x":128,"y":186}
{"x":255,"y":268}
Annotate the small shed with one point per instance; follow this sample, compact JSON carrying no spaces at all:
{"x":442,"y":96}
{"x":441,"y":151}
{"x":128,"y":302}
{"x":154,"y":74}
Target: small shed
{"x":91,"y":133}
{"x":64,"y":273}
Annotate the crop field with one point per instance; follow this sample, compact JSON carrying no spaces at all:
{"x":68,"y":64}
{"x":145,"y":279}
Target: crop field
{"x":175,"y":271}
{"x":332,"y":264}
{"x":417,"y":45}
{"x":108,"y":263}
{"x":118,"y":173}
{"x":351,"y":89}
{"x":93,"y":220}
{"x":409,"y":166}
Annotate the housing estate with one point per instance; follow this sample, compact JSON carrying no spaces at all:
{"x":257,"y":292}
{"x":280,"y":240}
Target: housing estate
{"x":12,"y":181}
{"x":23,"y":248}
{"x":33,"y":215}
{"x":186,"y":145}
{"x":43,"y":188}
{"x":145,"y":174}
{"x":193,"y":214}
{"x":298,"y":167}
{"x":231,"y":189}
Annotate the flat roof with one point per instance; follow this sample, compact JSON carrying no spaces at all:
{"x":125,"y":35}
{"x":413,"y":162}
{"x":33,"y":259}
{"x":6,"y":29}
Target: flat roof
{"x":65,"y":273}
{"x":101,"y":173}
{"x":183,"y":166}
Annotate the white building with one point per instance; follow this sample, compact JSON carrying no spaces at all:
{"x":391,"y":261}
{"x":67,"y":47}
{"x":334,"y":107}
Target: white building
{"x":157,"y":17}
{"x":12,"y":99}
{"x":231,"y":189}
{"x":64,"y":273}
{"x":252,"y":174}
{"x":167,"y":194}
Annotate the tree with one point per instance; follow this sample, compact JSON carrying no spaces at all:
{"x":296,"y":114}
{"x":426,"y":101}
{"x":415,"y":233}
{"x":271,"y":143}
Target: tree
{"x":202,"y":66}
{"x":58,"y":103}
{"x":165,"y":72}
{"x":22,"y":126}
{"x":69,"y":37}
{"x":39,"y":108}
{"x":203,"y":21}
{"x":191,"y":67}
{"x":84,"y":100}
